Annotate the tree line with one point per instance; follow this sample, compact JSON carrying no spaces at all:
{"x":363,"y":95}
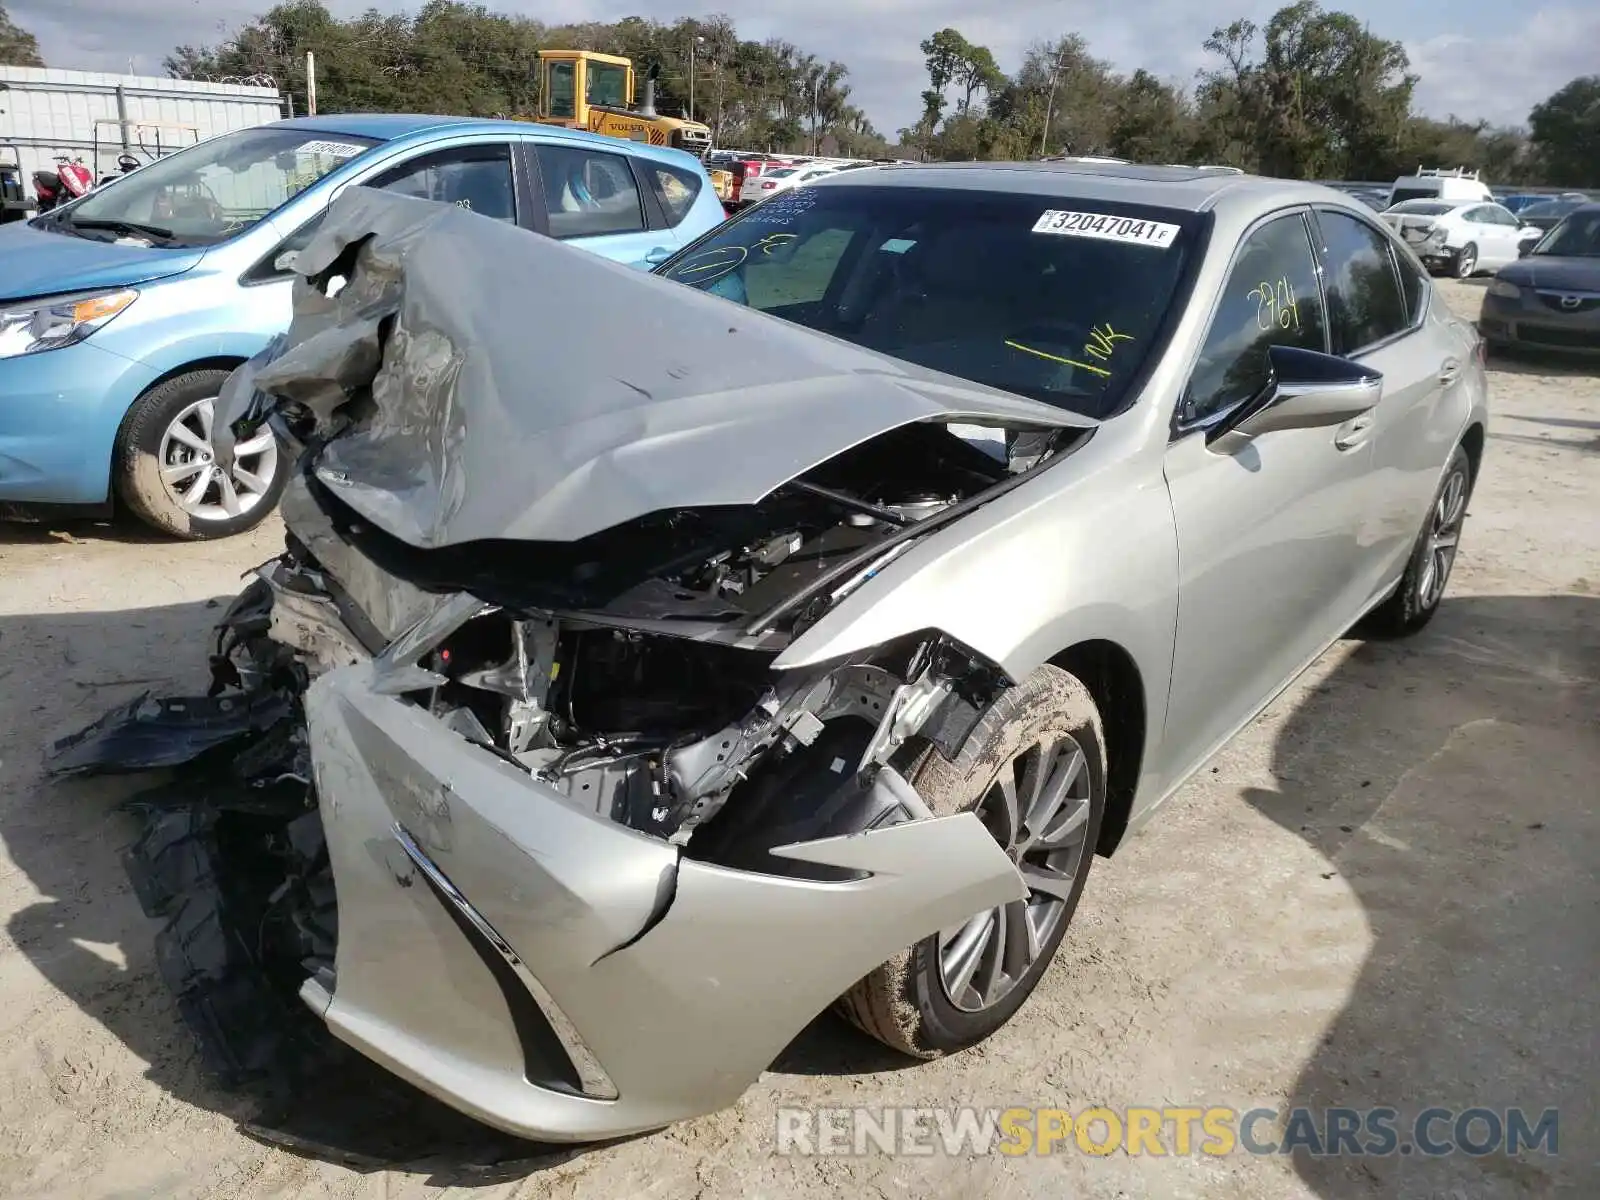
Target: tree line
{"x":1310,"y":94}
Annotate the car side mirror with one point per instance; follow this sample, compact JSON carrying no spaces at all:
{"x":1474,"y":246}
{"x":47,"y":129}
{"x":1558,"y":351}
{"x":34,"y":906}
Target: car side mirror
{"x":1525,"y":247}
{"x":286,"y":260}
{"x":1305,"y":389}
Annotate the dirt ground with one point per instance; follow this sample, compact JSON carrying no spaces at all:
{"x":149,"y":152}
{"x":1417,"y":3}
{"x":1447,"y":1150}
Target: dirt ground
{"x":1385,"y":892}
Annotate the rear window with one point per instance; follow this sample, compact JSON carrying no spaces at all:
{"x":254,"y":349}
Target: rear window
{"x":1047,"y":297}
{"x":675,"y":187}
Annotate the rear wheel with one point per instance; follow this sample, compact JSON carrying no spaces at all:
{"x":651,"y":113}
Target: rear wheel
{"x":1422,"y":586}
{"x":166,"y":468}
{"x":1466,"y":261}
{"x":1034,"y":771}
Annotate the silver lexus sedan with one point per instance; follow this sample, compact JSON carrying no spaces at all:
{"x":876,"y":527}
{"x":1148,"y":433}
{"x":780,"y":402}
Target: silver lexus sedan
{"x":656,"y":661}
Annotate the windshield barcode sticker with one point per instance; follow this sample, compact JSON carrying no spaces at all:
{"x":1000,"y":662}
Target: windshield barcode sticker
{"x":1107,"y":228}
{"x":336,"y":149}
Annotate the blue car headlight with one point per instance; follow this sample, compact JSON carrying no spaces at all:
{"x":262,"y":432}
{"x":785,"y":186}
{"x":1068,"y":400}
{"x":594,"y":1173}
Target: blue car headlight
{"x":31,"y":326}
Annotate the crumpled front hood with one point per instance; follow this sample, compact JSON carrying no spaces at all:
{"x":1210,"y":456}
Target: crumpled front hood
{"x":520,"y":388}
{"x":36,"y":263}
{"x":1556,"y":274}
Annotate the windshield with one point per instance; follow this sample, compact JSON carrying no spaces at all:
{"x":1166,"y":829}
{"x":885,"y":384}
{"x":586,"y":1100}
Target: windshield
{"x":779,"y":174}
{"x":1578,"y":236}
{"x":1548,"y":208}
{"x":215,"y":190}
{"x":1050,"y":298}
{"x":1426,"y":208}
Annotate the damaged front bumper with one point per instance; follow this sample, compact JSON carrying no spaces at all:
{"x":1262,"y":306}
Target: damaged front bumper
{"x":561,"y":977}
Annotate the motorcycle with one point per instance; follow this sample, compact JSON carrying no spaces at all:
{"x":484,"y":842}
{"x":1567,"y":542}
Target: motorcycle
{"x":67,"y":182}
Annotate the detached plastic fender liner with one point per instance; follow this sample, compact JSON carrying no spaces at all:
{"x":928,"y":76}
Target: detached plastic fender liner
{"x":682,"y":1018}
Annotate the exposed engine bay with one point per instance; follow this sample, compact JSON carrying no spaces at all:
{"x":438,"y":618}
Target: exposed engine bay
{"x":648,"y":695}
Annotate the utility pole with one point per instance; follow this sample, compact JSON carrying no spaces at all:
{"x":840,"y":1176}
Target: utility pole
{"x":696,"y":40}
{"x":1050,"y":104}
{"x":311,"y":84}
{"x":816,"y":103}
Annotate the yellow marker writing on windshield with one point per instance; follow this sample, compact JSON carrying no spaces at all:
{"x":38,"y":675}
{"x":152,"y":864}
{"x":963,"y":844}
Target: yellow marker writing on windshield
{"x":1057,"y":358}
{"x":1102,"y":338}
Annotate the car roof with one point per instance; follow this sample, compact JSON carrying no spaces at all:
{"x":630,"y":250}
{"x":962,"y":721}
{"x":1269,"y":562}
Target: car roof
{"x":391,"y":127}
{"x":1183,"y":188}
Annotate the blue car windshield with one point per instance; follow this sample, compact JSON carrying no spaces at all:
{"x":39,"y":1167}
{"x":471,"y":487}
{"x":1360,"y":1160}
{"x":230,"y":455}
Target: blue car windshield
{"x":210,"y":192}
{"x":1578,"y":236}
{"x":1053,"y":298}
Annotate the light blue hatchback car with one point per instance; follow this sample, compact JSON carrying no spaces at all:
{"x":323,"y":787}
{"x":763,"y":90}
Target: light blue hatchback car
{"x":121,"y":314}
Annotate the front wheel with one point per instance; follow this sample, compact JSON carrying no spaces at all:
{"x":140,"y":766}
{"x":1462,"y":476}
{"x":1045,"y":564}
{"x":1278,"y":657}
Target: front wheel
{"x":1034,"y":770}
{"x":166,"y":470}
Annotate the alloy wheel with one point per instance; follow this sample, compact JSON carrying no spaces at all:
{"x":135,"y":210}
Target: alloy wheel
{"x":189,"y":470}
{"x":1441,"y":539}
{"x":1466,"y":262}
{"x":1038,"y":809}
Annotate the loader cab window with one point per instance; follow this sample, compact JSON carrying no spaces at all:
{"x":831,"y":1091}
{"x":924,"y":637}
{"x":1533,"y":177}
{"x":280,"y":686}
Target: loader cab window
{"x":559,"y":89}
{"x":607,"y":85}
{"x":588,"y":193}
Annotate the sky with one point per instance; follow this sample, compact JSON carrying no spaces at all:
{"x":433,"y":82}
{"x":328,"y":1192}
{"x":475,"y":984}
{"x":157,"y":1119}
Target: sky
{"x":1477,"y":59}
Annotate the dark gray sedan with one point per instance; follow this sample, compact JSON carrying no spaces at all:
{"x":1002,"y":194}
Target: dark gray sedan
{"x":1550,"y":299}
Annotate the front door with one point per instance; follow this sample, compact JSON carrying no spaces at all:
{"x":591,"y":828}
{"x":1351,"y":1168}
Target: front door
{"x":1267,"y":526}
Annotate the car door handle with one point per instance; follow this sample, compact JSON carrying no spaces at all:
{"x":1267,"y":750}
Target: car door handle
{"x":659,"y":255}
{"x":1449,"y":369}
{"x":1353,"y":432}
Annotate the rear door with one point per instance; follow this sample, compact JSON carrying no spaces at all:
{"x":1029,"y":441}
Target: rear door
{"x":1267,"y":527}
{"x":594,"y":199}
{"x":1377,"y":315}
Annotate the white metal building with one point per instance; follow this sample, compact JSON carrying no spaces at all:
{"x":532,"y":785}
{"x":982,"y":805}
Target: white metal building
{"x":86,"y":114}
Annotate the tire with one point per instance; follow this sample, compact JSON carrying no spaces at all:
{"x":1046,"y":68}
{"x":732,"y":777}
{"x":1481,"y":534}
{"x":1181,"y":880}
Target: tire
{"x":1465,"y":263}
{"x":150,"y":443}
{"x":907,"y":1002}
{"x":1416,"y":598}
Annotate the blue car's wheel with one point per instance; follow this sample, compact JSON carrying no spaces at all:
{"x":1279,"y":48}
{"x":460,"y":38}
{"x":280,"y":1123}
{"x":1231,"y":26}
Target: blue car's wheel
{"x":166,"y":468}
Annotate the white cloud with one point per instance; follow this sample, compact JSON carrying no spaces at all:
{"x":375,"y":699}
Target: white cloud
{"x":1467,"y":65}
{"x":1500,"y":78}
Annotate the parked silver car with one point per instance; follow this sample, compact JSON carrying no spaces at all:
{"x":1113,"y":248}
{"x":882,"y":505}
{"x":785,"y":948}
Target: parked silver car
{"x":651,"y":668}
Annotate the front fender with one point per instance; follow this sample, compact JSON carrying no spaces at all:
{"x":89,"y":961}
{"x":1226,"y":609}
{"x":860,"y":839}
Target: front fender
{"x":1086,"y":552}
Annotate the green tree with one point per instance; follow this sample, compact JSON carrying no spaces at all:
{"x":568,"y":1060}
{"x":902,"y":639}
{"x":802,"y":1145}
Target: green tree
{"x":953,"y":61}
{"x":1566,"y":134}
{"x":18,"y":47}
{"x":1151,"y":121}
{"x":1325,"y":98}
